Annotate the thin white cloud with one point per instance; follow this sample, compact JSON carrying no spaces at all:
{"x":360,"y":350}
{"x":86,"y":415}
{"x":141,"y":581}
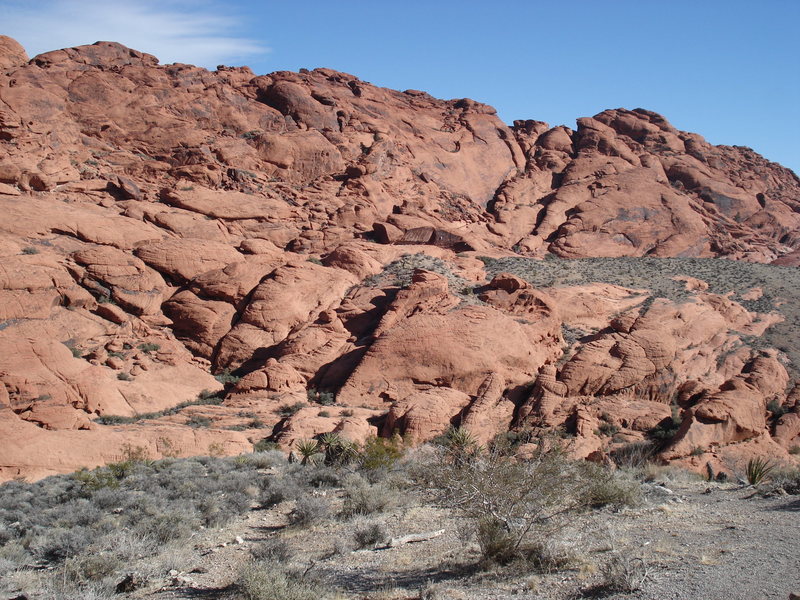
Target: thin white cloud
{"x":200,"y":32}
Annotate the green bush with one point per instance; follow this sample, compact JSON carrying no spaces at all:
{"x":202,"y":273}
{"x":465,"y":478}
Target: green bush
{"x":776,"y":409}
{"x":607,"y":429}
{"x":196,"y":421}
{"x":666,"y":429}
{"x":325,"y":398}
{"x":227,"y":378}
{"x":287,"y":410}
{"x":265,"y":445}
{"x":380,"y":453}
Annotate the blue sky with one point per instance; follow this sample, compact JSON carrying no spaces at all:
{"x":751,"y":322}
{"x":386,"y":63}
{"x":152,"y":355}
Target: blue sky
{"x":727,"y":69}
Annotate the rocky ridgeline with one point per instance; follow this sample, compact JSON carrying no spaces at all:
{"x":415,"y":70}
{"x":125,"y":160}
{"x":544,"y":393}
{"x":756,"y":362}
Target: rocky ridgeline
{"x":326,"y":248}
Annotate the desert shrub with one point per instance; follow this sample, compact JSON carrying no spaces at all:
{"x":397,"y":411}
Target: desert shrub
{"x":264,"y":580}
{"x":123,"y":376}
{"x":148,"y":347}
{"x":216,"y":511}
{"x":325,"y":398}
{"x":507,"y":442}
{"x":227,"y":378}
{"x":64,"y":517}
{"x":604,"y":487}
{"x":607,"y":429}
{"x":287,"y":410}
{"x":30,"y":250}
{"x":275,"y":549}
{"x":319,"y":476}
{"x":497,"y":544}
{"x":362,"y":498}
{"x":622,"y":574}
{"x":265,"y":445}
{"x":783,"y":481}
{"x":86,"y":567}
{"x":198,"y":421}
{"x":514,"y":506}
{"x":776,"y":408}
{"x":92,"y":481}
{"x":205,"y":398}
{"x":380,"y":453}
{"x":170,"y":525}
{"x":207,"y":395}
{"x":309,"y":509}
{"x":13,"y":555}
{"x":635,"y":455}
{"x":279,"y":489}
{"x":369,"y":534}
{"x":57,"y":544}
{"x":663,"y":433}
{"x":264,"y":459}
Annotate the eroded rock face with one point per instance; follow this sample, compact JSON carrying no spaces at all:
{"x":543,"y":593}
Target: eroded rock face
{"x":320,"y":237}
{"x":12,"y":54}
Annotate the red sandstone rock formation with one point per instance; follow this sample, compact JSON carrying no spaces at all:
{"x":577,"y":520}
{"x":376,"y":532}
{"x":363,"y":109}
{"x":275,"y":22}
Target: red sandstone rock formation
{"x":161,"y":223}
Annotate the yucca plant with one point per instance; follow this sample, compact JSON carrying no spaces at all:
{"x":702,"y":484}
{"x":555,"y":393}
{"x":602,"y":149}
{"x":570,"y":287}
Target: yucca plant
{"x":337,"y":449}
{"x":307,"y":449}
{"x":461,"y":444}
{"x":757,"y":469}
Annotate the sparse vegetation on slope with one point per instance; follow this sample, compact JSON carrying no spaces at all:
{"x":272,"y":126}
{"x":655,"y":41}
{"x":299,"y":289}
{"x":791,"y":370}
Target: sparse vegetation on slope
{"x":780,"y":286}
{"x":84,"y":534}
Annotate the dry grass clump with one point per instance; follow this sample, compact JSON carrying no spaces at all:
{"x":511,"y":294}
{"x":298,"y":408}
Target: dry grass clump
{"x":363,"y":498}
{"x":269,"y":580}
{"x":623,"y":574}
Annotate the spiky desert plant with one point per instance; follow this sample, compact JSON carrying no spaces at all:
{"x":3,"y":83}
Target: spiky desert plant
{"x":307,"y":449}
{"x":337,"y":449}
{"x":461,"y":444}
{"x":757,"y":469}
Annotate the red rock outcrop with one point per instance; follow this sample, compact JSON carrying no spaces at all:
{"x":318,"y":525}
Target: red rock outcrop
{"x":317,"y":235}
